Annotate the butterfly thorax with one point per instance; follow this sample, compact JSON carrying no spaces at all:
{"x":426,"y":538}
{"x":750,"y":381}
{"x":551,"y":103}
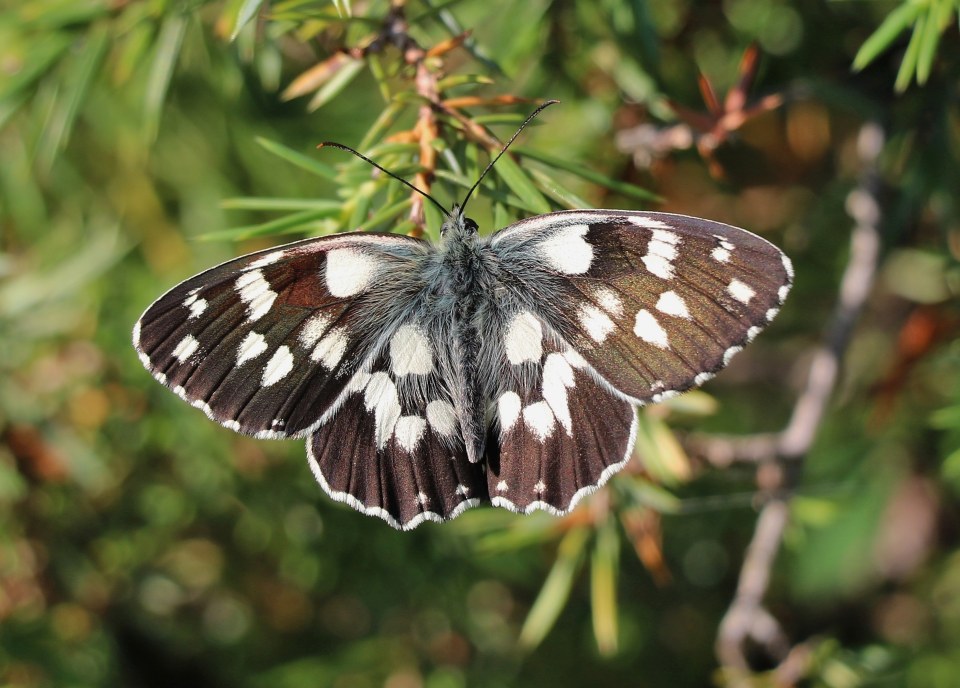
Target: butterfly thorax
{"x":466,"y":274}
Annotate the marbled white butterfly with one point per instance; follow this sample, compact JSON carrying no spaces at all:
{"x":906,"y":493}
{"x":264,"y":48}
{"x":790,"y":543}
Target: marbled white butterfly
{"x":428,"y":379}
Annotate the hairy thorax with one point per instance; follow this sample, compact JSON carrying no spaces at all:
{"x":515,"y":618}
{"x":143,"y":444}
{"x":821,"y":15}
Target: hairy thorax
{"x":467,"y":286}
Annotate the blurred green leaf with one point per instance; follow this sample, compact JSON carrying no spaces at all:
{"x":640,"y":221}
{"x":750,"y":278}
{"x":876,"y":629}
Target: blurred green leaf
{"x":518,"y":182}
{"x":624,"y":188}
{"x":290,"y":224}
{"x":25,"y":297}
{"x":335,"y":85}
{"x":77,"y":83}
{"x":299,"y":159}
{"x":659,"y":451}
{"x":248,"y":10}
{"x":27,"y":67}
{"x":603,"y":586}
{"x":254,"y":203}
{"x":385,"y":215}
{"x":559,"y":193}
{"x":910,"y":58}
{"x":556,"y":588}
{"x":896,"y":23}
{"x":167,"y":51}
{"x":928,"y":43}
{"x":642,"y":492}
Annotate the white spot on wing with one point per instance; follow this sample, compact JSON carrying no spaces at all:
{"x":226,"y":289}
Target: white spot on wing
{"x":185,"y":349}
{"x":442,"y":417}
{"x":313,"y":328}
{"x":279,"y":365}
{"x":658,"y":266}
{"x":268,"y":259}
{"x":649,"y":330}
{"x":539,"y":488}
{"x":502,"y":486}
{"x":557,"y":377}
{"x":409,"y":431}
{"x":597,"y":323}
{"x":508,"y":408}
{"x":255,"y":291}
{"x":136,"y":335}
{"x":252,"y":346}
{"x":575,"y":359}
{"x":720,"y":254}
{"x":197,"y":308}
{"x":648,"y":222}
{"x":740,"y":291}
{"x":462,"y":490}
{"x":539,"y":418}
{"x":567,"y":251}
{"x":524,"y":340}
{"x":357,"y":383}
{"x":672,"y":304}
{"x":380,"y":396}
{"x":349,"y":271}
{"x":608,"y":301}
{"x":665,"y":236}
{"x":410,"y":351}
{"x":330,"y":350}
{"x":661,"y":252}
{"x":232,"y":425}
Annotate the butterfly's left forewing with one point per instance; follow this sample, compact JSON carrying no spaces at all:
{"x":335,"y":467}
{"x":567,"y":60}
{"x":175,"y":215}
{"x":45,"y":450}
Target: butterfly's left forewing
{"x":265,"y":343}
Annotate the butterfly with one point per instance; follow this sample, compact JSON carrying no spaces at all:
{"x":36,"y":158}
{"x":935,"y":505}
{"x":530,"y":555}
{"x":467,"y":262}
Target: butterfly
{"x":428,"y":379}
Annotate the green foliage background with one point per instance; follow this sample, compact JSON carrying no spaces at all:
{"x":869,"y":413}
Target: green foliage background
{"x":142,"y":545}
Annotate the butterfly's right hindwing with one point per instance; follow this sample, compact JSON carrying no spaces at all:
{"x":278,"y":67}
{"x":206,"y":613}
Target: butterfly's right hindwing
{"x":559,"y":439}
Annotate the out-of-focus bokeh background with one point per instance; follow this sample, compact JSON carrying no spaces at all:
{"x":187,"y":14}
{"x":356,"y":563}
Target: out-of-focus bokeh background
{"x":143,"y":141}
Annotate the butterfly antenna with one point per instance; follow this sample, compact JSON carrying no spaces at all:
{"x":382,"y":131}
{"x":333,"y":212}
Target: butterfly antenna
{"x":387,"y":172}
{"x":504,"y":149}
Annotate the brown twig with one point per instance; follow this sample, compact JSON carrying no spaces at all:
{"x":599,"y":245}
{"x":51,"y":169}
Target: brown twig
{"x":747,"y":618}
{"x":706,"y":130}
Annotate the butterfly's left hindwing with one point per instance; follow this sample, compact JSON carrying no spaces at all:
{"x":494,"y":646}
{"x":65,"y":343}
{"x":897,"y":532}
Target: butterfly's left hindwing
{"x":391,"y":452}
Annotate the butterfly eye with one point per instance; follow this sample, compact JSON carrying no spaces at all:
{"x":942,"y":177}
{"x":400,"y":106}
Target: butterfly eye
{"x":471,"y":226}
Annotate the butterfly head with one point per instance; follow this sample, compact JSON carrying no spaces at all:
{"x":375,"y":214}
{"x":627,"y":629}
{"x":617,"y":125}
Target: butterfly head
{"x":458,"y":226}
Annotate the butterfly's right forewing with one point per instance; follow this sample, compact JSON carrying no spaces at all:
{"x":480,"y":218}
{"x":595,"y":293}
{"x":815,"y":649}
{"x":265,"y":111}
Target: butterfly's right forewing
{"x":655,"y":303}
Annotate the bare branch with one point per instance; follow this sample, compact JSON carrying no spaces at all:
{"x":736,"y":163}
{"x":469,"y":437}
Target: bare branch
{"x":746,"y":618}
